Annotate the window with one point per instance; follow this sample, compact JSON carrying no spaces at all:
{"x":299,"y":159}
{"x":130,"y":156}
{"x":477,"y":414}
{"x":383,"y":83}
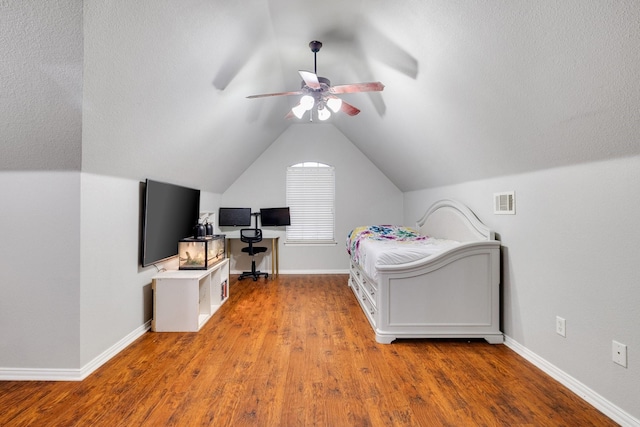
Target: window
{"x":311,"y":199}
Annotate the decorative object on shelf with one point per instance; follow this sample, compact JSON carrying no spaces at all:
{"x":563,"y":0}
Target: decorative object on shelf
{"x":199,"y":231}
{"x":318,"y":95}
{"x":201,"y":253}
{"x":224,"y":290}
{"x":207,"y":218}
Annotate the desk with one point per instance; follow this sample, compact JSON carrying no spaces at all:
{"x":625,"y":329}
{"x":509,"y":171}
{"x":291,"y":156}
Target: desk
{"x":266,"y":235}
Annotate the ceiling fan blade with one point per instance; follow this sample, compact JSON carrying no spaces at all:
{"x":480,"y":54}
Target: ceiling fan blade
{"x":357,"y":87}
{"x":349,"y":109}
{"x":264,"y":95}
{"x":310,"y":79}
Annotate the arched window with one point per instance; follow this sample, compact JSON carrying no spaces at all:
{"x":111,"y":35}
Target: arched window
{"x":311,"y":200}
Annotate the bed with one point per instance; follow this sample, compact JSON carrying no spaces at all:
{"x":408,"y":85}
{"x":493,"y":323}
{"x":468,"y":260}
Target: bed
{"x":440,"y":279}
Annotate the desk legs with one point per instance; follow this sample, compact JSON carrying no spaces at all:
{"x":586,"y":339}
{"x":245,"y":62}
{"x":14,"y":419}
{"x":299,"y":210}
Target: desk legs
{"x":275,"y":262}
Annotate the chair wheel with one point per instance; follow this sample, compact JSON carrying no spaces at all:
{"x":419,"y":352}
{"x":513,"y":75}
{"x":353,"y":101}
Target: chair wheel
{"x":266,"y":276}
{"x":255,"y":278}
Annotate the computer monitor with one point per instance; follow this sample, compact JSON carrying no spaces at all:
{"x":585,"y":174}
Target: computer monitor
{"x":234,"y":217}
{"x":275,"y":217}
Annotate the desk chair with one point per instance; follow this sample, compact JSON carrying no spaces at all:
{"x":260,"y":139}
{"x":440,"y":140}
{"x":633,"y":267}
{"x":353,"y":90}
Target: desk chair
{"x":251,"y":236}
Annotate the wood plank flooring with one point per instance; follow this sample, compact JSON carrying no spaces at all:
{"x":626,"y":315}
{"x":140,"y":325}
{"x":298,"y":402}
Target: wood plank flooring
{"x":297,"y":351}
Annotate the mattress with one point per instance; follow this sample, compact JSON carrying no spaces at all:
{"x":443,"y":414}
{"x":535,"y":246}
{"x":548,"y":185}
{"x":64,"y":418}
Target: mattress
{"x":371,"y":246}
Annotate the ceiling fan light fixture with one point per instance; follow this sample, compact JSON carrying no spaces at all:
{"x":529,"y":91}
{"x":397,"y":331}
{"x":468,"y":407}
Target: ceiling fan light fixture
{"x":323,"y":113}
{"x":307,"y":102}
{"x":335,"y":104}
{"x":298,"y":111}
{"x":317,"y":93}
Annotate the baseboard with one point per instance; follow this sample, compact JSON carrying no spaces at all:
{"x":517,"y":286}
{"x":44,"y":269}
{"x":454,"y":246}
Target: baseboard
{"x":37,"y":374}
{"x":603,"y":405}
{"x":114,"y":349}
{"x":342,"y":271}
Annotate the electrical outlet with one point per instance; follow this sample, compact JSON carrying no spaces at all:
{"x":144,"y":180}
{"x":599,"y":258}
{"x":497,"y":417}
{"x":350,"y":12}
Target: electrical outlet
{"x":561,"y":326}
{"x":619,"y":353}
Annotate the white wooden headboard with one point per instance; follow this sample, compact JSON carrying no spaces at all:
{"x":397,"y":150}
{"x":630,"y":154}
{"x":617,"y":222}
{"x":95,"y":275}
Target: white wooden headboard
{"x":449,"y":219}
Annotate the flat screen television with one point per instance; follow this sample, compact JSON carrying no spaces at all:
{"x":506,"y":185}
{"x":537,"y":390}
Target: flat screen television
{"x":275,"y":217}
{"x":234,"y":217}
{"x":170,"y":213}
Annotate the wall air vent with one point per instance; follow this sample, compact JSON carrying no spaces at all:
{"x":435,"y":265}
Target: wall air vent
{"x":504,"y":203}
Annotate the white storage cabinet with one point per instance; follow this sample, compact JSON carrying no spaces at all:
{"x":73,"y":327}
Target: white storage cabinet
{"x":183,"y":300}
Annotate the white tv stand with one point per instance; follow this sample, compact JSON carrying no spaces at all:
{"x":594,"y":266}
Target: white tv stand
{"x":184,"y":300}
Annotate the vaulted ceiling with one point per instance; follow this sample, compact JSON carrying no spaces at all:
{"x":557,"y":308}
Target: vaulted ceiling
{"x":474,"y":89}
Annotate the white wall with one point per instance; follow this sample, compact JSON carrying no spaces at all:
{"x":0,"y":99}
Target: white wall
{"x":71,"y":283}
{"x":39,"y":269}
{"x":572,"y":251}
{"x":40,"y":130}
{"x":116,"y":296}
{"x":210,"y":202}
{"x":116,"y":290}
{"x":363,"y":194}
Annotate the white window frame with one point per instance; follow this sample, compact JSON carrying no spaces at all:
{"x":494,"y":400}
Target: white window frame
{"x":311,"y":199}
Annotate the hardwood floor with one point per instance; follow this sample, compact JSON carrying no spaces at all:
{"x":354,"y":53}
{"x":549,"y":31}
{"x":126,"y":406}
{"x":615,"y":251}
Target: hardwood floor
{"x":297,"y":351}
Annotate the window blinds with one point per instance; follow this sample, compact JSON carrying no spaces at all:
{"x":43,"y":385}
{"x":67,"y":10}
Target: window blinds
{"x":310,"y":197}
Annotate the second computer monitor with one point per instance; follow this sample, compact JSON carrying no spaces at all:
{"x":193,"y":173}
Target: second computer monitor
{"x":275,"y":217}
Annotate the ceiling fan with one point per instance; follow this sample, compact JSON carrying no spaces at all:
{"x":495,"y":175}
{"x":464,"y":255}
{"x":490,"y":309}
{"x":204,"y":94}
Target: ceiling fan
{"x":318,"y":94}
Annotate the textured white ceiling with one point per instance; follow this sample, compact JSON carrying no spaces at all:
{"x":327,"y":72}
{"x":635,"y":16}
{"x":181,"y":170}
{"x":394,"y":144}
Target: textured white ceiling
{"x":40,"y":85}
{"x":474,"y":89}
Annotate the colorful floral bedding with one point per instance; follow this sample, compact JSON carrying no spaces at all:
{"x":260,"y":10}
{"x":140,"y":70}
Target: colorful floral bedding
{"x":374,"y":245}
{"x":379,"y":232}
